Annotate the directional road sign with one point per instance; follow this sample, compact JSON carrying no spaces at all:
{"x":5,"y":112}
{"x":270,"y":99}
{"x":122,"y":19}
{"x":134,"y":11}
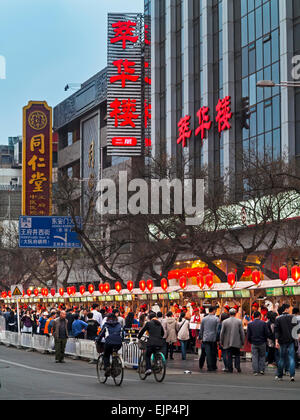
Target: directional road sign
{"x":48,"y":232}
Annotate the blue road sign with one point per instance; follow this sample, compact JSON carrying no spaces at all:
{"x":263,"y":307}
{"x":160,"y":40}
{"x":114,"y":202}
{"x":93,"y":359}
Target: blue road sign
{"x":48,"y":232}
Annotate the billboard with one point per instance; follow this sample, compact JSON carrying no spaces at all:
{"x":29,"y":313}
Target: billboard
{"x":124,"y":84}
{"x":37,"y":159}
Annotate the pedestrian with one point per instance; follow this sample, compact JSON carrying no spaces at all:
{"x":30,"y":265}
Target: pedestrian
{"x":171,"y":337}
{"x":83,"y":315}
{"x":96,"y":314}
{"x":163,"y":323}
{"x":42,"y":322}
{"x":60,"y":334}
{"x":272,"y":352}
{"x":142,"y":319}
{"x":130,"y":320}
{"x":258,"y":334}
{"x":92,"y":327}
{"x":12,"y":322}
{"x":224,"y":315}
{"x":183,"y":333}
{"x":27,"y":323}
{"x":79,"y":327}
{"x":208,"y":335}
{"x":232,"y":339}
{"x":70,"y":319}
{"x":284,"y":342}
{"x":120,"y":319}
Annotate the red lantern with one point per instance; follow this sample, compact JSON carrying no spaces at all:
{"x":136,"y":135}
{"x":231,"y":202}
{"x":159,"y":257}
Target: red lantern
{"x":142,"y":285}
{"x":52,"y":292}
{"x":296,"y":273}
{"x":283,"y":273}
{"x":247,"y":272}
{"x":73,"y":290}
{"x":256,"y":277}
{"x":118,"y":286}
{"x":9,"y":293}
{"x":82,"y":290}
{"x":46,"y":292}
{"x":101,"y":288}
{"x":28,"y":292}
{"x":91,"y":288}
{"x":164,"y":284}
{"x":209,"y":280}
{"x":200,"y":281}
{"x":150,"y":285}
{"x":36,"y":292}
{"x":231,"y":278}
{"x":4,"y":295}
{"x":182,"y":282}
{"x":69,"y":291}
{"x":61,"y":291}
{"x":43,"y":292}
{"x":106,"y":287}
{"x":130,"y":285}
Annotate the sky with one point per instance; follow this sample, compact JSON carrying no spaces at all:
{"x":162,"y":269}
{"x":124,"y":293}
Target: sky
{"x":47,"y":44}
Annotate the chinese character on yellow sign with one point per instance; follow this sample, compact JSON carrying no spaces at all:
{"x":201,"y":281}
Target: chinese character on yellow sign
{"x":33,"y":163}
{"x":38,"y":142}
{"x":37,"y":179}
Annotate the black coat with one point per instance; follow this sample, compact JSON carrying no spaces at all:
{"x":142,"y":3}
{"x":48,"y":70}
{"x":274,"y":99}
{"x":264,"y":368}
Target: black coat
{"x":156,"y":333}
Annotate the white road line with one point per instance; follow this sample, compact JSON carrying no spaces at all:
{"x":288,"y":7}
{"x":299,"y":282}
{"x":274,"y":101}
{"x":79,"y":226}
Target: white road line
{"x":194,"y":384}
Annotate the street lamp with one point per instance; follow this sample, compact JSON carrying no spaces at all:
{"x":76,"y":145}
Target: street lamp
{"x":270,"y":84}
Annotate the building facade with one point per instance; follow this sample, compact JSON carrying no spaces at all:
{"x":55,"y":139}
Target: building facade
{"x":208,"y":55}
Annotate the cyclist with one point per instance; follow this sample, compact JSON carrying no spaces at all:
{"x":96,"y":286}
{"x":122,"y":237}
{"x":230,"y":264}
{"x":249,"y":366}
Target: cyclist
{"x":155,"y":332}
{"x":113,"y":334}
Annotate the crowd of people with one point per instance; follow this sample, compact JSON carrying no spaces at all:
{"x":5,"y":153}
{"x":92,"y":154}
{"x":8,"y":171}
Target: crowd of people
{"x":221,"y":334}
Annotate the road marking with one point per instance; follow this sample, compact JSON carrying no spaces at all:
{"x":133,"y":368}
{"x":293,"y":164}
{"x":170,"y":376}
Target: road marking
{"x":164,"y":383}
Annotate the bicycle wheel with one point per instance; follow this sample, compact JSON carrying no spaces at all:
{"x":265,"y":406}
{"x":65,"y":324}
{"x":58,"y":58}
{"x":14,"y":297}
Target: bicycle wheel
{"x":117,"y":370}
{"x":159,"y":367}
{"x":142,"y":368}
{"x":100,"y":370}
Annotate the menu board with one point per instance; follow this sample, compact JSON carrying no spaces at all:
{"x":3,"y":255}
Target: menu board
{"x":200,"y":295}
{"x":278,"y":291}
{"x":142,"y":297}
{"x":154,"y":297}
{"x":127,"y":298}
{"x":174,"y":296}
{"x":211,"y":295}
{"x":163,"y":296}
{"x":119,"y":298}
{"x":292,"y":291}
{"x":227,"y":294}
{"x":242,"y":293}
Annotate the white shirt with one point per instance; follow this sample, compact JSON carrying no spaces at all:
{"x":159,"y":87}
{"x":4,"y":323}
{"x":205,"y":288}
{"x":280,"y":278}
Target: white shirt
{"x":97,"y":316}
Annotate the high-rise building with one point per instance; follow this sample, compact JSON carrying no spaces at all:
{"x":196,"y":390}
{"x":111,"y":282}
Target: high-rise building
{"x":207,"y":57}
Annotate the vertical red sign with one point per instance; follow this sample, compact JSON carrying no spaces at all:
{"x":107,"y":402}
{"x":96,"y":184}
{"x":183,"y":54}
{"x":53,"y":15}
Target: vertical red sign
{"x":37,"y":160}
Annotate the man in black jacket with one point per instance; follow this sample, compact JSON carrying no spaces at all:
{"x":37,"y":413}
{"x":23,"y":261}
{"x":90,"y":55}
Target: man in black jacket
{"x":284,"y":341}
{"x":258,"y":335}
{"x":155,"y":341}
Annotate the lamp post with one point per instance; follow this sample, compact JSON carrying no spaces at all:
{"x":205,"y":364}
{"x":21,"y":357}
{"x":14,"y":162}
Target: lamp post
{"x":270,"y":84}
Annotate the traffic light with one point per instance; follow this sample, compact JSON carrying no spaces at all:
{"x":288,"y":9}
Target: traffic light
{"x":245,"y":113}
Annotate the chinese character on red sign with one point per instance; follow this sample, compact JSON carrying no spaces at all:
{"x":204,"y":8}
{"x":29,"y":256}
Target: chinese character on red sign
{"x":127,"y":74}
{"x":124,"y":31}
{"x":184,"y":130}
{"x":224,"y":114}
{"x":204,"y":122}
{"x":147,"y":41}
{"x":124,"y":111}
{"x":147,"y":113}
{"x":147,"y":79}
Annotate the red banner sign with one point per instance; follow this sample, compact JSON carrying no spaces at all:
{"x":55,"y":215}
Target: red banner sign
{"x":37,"y":160}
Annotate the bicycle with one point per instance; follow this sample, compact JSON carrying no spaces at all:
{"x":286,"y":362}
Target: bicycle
{"x":158,"y":363}
{"x":116,"y":369}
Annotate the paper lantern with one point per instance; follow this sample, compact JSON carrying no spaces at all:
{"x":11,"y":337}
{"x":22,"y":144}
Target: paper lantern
{"x":231,"y":279}
{"x":9,"y":293}
{"x":150,"y":285}
{"x":200,"y":281}
{"x":106,"y":287}
{"x":91,"y":288}
{"x":82,"y":290}
{"x":182,"y":282}
{"x":209,"y":280}
{"x":35,"y":292}
{"x":101,"y":288}
{"x":4,"y":295}
{"x":73,"y":290}
{"x":164,"y":284}
{"x":69,"y":291}
{"x":61,"y":291}
{"x":296,"y":273}
{"x":46,"y":292}
{"x":118,"y":286}
{"x":130,"y":285}
{"x":28,"y":292}
{"x":142,"y":285}
{"x":283,"y":273}
{"x":52,"y":292}
{"x":256,"y":277}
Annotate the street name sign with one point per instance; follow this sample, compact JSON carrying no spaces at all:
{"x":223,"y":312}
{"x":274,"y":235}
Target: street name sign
{"x":48,"y":232}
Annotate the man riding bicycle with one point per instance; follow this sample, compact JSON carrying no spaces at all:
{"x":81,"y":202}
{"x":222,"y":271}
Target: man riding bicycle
{"x":113,"y":334}
{"x":155,"y":342}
